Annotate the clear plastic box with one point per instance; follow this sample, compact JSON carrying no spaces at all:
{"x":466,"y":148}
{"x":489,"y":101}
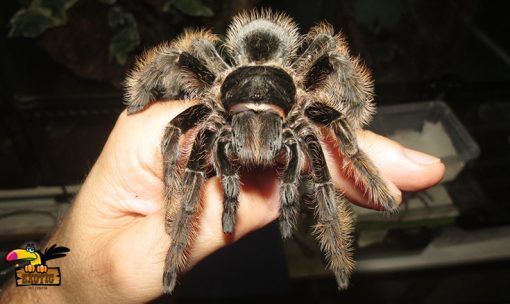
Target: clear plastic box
{"x":429,"y":127}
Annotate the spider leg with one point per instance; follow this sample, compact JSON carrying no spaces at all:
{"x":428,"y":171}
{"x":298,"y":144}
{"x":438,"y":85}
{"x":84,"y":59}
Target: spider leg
{"x":334,"y":220}
{"x":362,"y":168}
{"x":306,"y":193}
{"x":166,"y":72}
{"x":289,"y":191}
{"x":145,"y":83}
{"x":316,"y":46}
{"x":229,"y":179}
{"x":182,"y":123}
{"x":184,"y":224}
{"x":341,"y":79}
{"x":205,"y":50}
{"x":358,"y":164}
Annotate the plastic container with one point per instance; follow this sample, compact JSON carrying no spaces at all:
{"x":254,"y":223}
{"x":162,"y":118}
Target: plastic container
{"x":429,"y":127}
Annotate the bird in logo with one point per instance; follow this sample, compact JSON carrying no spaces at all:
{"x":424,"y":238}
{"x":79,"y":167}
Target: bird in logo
{"x":37,"y":259}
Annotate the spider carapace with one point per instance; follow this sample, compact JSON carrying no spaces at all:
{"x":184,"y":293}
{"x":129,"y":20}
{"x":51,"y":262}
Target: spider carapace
{"x":261,"y":103}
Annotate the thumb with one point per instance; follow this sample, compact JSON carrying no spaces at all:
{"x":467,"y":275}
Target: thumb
{"x":408,"y":169}
{"x":403,"y":168}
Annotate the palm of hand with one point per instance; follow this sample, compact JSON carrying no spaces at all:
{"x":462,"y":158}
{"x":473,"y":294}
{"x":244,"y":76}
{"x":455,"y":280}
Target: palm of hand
{"x":132,"y":203}
{"x":122,"y":200}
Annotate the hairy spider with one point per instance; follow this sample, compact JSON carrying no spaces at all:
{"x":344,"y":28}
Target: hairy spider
{"x":263,"y":105}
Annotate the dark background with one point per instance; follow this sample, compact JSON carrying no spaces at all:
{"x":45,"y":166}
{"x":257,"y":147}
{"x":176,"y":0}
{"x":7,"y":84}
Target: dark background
{"x":60,"y":96}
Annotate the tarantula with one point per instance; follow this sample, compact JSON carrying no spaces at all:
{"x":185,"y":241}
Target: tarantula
{"x":263,"y":103}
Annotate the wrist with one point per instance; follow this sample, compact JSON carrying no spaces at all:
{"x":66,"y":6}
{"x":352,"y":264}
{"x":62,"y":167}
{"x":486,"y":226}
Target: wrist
{"x":66,"y":292}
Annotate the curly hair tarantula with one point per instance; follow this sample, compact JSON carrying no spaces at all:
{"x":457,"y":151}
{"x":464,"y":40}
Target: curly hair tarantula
{"x":262,"y":104}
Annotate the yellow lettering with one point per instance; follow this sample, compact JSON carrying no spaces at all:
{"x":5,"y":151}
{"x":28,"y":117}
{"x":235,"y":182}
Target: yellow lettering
{"x":52,"y":277}
{"x":25,"y":278}
{"x":49,"y":278}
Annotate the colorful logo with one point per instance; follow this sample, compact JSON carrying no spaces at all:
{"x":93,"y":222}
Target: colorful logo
{"x":36,"y":272}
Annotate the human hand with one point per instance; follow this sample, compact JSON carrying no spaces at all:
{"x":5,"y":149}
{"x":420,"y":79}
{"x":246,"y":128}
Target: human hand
{"x":115,"y":227}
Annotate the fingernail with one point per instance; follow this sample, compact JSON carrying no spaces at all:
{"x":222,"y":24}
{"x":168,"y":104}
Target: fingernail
{"x":420,"y":157}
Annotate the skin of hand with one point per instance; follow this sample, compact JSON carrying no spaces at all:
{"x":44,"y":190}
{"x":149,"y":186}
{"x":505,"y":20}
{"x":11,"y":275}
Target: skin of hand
{"x":115,"y":227}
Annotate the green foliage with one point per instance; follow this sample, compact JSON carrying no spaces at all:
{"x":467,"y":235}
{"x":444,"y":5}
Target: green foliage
{"x":39,"y":16}
{"x":126,"y":37}
{"x":189,"y":7}
{"x":42,"y":15}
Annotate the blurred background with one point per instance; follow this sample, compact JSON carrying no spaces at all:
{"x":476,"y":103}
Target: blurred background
{"x":442,"y":83}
